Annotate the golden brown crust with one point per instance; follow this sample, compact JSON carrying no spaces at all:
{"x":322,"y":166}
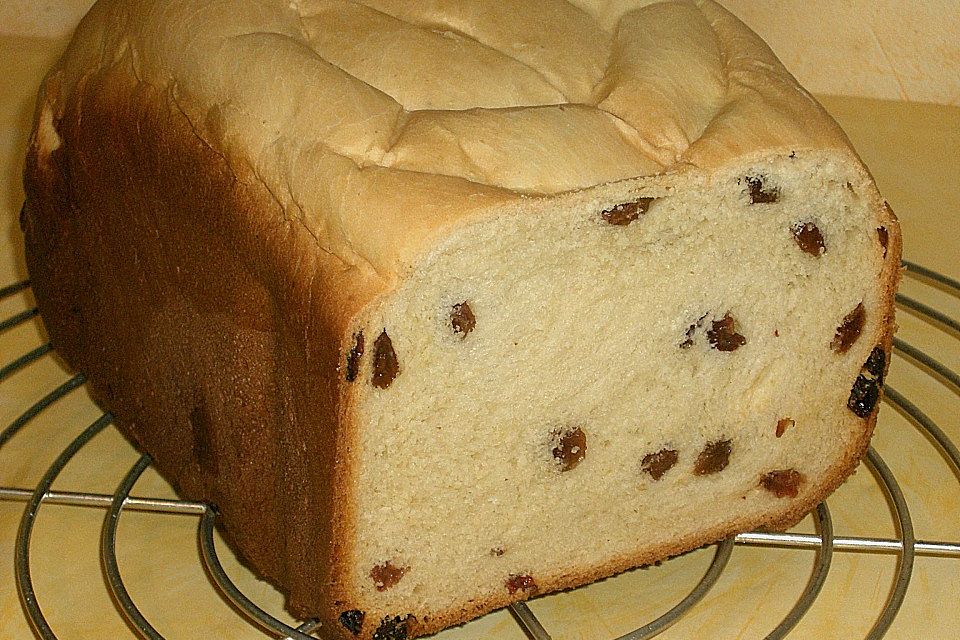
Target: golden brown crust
{"x":681,"y":83}
{"x":223,"y":313}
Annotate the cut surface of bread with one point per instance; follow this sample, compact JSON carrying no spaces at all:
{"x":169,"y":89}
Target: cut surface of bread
{"x":449,"y":304}
{"x":623,"y":390}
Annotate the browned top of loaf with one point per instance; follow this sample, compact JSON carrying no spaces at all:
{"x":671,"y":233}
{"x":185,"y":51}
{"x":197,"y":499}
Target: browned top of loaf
{"x":379,"y":123}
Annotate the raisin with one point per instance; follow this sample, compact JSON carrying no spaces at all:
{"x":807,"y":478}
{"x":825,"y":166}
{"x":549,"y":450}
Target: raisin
{"x":714,"y":457}
{"x":723,"y":335}
{"x":395,"y":628}
{"x":809,"y":238}
{"x":496,"y":552}
{"x":353,"y":357}
{"x":863,"y":396}
{"x":691,"y":330}
{"x":876,"y":363}
{"x":884,"y":238}
{"x":462,"y":319}
{"x":623,"y":214}
{"x":352,"y":620}
{"x":657,"y":464}
{"x":866,"y":388}
{"x":386,"y":575}
{"x":783,"y":425}
{"x":783,"y":483}
{"x":385,"y":364}
{"x":521,"y":582}
{"x":849,"y":330}
{"x":571,"y":447}
{"x":760,"y":193}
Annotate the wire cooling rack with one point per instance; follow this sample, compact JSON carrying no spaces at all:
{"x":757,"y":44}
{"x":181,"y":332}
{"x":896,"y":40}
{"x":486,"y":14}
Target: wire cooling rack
{"x":905,"y":546}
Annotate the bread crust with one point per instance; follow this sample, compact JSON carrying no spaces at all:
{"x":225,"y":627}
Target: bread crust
{"x":377,"y":179}
{"x":251,"y":270}
{"x":197,"y":309}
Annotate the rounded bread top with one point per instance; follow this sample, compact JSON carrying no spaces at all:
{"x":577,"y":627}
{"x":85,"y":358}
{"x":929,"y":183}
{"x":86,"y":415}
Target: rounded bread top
{"x":380,"y":122}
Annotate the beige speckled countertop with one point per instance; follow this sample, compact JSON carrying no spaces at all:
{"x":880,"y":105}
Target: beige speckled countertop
{"x":914,"y":152}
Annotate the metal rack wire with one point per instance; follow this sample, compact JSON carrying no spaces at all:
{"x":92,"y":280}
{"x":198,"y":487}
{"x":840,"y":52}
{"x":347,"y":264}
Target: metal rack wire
{"x":906,"y":547}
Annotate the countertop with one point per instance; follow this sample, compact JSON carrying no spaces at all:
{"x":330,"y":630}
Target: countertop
{"x":914,"y":153}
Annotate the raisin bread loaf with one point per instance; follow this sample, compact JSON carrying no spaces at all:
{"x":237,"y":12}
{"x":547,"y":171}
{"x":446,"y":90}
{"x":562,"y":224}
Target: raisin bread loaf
{"x":449,"y":304}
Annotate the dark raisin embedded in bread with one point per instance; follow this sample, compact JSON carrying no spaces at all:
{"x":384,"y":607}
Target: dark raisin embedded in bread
{"x":783,"y":483}
{"x":353,"y":357}
{"x":876,"y":363}
{"x":462,"y":319}
{"x":570,"y":448}
{"x":866,"y":388}
{"x":760,"y":192}
{"x":352,"y":621}
{"x":623,"y":214}
{"x":849,"y":330}
{"x":385,"y":363}
{"x":521,"y":582}
{"x":657,"y":464}
{"x":863,"y":396}
{"x":808,"y":237}
{"x":714,"y":458}
{"x":784,"y":424}
{"x":395,"y":628}
{"x":386,"y":575}
{"x":496,"y":552}
{"x":723,"y":335}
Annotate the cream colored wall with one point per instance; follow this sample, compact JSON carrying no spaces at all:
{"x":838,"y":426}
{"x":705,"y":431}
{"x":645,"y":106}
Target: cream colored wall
{"x":894,"y":49}
{"x":41,"y":18}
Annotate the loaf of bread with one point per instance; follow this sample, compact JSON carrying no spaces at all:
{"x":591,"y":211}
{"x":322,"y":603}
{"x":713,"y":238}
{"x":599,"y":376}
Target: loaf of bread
{"x":449,"y":303}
